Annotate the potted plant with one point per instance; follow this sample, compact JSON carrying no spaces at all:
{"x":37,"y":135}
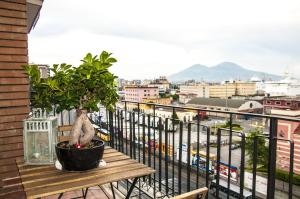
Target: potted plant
{"x":82,"y":88}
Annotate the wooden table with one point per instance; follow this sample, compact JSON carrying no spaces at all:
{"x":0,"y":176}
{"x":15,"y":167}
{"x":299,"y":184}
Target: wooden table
{"x":41,"y":181}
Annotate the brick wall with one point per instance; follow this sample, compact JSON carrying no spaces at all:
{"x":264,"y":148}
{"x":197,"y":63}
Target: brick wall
{"x":13,"y":83}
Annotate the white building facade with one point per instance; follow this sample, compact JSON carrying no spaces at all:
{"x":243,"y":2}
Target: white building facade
{"x":286,"y":87}
{"x":201,"y":90}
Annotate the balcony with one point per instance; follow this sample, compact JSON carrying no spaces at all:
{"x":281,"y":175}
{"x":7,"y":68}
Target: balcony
{"x":163,"y":143}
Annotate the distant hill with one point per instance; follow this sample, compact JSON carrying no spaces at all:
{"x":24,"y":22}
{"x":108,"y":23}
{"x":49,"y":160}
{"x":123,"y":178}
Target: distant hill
{"x":221,"y":72}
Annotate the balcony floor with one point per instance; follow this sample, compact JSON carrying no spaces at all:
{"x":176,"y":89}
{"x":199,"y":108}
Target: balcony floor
{"x":93,"y":193}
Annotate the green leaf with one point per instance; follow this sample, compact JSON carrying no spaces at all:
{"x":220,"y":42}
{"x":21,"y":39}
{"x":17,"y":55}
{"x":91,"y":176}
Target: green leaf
{"x":111,"y":60}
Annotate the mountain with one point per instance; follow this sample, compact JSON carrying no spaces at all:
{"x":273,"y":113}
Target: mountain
{"x":221,"y":72}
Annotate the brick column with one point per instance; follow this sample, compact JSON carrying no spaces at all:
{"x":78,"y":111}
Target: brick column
{"x":13,"y":83}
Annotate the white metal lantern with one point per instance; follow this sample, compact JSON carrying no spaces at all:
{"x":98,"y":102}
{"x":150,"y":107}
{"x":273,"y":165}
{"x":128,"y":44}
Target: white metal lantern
{"x":40,"y":137}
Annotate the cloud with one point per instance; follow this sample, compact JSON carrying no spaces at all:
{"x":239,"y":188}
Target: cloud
{"x":152,"y":38}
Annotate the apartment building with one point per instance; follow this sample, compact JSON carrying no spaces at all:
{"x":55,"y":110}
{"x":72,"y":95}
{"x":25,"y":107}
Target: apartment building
{"x":138,"y":93}
{"x":286,"y":130}
{"x":200,"y":90}
{"x":230,"y":89}
{"x":285,"y":87}
{"x":162,"y":83}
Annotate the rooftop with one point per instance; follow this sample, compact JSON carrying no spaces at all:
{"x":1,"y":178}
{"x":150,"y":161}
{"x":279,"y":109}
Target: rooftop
{"x":217,"y":102}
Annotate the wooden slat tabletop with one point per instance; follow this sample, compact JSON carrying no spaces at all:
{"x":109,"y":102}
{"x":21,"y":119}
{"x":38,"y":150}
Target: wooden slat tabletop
{"x":45,"y":180}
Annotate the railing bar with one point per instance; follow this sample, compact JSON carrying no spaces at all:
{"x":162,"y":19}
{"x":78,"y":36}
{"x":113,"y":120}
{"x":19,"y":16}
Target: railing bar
{"x":198,"y":148}
{"x":130,"y":136}
{"x":180,"y":155}
{"x":189,"y":158}
{"x":107,"y":124}
{"x":173,"y":154}
{"x":166,"y":157}
{"x":229,"y":158}
{"x":144,"y":134}
{"x":139,"y":136}
{"x":110,"y":124}
{"x":115,"y":131}
{"x":242,"y":167}
{"x":119,"y":136}
{"x":207,"y":156}
{"x":272,"y":159}
{"x":133,"y":136}
{"x":254,"y":167}
{"x":160,"y":153}
{"x":291,"y":172}
{"x":126,"y":135}
{"x":149,"y":146}
{"x":122,"y":130}
{"x":154,"y":152}
{"x":218,"y":162}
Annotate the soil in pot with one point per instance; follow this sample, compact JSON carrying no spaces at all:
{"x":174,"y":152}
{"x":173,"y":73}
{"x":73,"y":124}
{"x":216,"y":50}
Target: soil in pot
{"x":79,"y":159}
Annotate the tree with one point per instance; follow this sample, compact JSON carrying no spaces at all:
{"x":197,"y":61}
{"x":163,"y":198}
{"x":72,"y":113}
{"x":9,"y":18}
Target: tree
{"x":175,"y":118}
{"x":262,"y":149}
{"x":81,"y":88}
{"x":175,"y":97}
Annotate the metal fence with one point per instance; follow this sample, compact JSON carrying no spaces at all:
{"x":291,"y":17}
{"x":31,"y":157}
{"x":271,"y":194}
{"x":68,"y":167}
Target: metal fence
{"x":188,"y":155}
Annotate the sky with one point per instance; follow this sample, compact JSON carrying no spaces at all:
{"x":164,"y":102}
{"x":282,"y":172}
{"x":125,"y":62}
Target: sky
{"x":162,"y":37}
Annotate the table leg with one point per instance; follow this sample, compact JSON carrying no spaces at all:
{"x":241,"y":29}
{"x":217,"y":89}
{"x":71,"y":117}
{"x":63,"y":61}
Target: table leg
{"x":60,"y":195}
{"x":86,"y":192}
{"x":112,"y":190}
{"x":132,"y":187}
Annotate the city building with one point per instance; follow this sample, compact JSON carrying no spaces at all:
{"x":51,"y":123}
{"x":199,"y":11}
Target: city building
{"x":162,"y":101}
{"x":44,"y":70}
{"x":217,"y":104}
{"x":287,"y":130}
{"x":183,"y":115}
{"x":287,"y":106}
{"x":200,"y":90}
{"x":285,"y":87}
{"x":162,"y":83}
{"x":138,"y":93}
{"x":121,"y":83}
{"x":146,"y":82}
{"x":229,"y":89}
{"x":186,"y":97}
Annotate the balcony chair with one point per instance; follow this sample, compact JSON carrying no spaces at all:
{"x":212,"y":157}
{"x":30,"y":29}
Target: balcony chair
{"x":196,"y":194}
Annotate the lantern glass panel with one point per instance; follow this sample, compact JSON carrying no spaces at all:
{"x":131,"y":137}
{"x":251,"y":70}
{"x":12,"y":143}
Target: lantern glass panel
{"x":38,"y":147}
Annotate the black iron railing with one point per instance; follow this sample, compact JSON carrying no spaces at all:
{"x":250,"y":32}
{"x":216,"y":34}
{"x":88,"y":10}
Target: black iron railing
{"x":170,"y":145}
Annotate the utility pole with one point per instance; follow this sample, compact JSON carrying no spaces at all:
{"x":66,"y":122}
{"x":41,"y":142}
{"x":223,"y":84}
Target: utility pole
{"x":226,"y":94}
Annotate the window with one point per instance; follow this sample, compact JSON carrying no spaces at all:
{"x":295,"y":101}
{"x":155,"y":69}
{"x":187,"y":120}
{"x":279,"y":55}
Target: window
{"x":288,"y":103}
{"x":268,"y":102}
{"x":278,"y":103}
{"x":145,"y":90}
